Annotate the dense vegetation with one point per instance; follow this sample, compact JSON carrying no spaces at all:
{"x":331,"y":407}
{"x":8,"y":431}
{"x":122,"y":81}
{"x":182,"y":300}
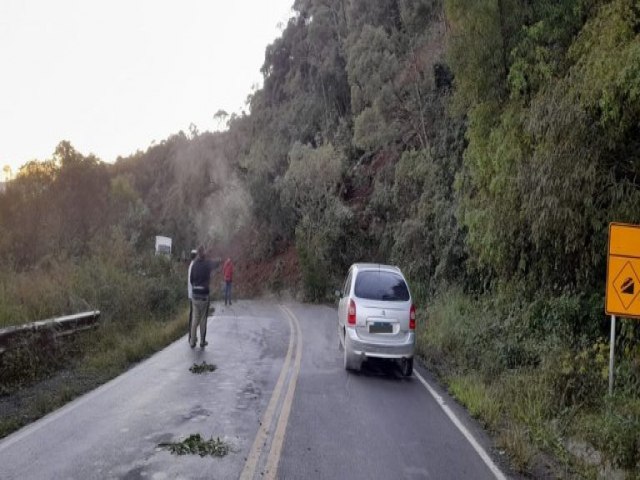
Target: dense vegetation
{"x":482,"y":146}
{"x":74,"y":238}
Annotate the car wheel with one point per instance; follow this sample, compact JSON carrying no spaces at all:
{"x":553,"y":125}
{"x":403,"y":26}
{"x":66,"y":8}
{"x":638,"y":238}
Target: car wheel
{"x":345,"y":355}
{"x":350,"y":363}
{"x":406,"y":365}
{"x":340,"y":346}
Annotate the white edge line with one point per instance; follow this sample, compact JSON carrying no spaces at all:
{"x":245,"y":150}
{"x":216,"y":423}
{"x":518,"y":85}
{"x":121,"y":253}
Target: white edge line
{"x":470,"y":438}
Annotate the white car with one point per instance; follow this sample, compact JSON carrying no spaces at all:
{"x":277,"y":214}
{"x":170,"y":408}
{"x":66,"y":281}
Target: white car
{"x":376,"y":316}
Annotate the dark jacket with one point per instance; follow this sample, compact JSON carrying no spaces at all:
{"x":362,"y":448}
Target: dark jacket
{"x":201,"y":276}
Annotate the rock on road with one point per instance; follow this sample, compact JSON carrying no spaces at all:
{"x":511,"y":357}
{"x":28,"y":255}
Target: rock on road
{"x":280,"y":397}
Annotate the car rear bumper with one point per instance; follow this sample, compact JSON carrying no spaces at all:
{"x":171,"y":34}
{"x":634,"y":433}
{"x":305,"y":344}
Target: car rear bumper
{"x":381,"y":350}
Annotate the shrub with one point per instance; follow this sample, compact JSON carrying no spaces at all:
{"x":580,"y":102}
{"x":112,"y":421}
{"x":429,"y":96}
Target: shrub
{"x":315,"y":279}
{"x":537,"y":372}
{"x":35,"y":357}
{"x":615,"y":432}
{"x":129,"y":290}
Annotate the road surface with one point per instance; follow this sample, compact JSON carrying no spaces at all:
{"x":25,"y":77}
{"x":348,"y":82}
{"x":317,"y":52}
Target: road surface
{"x":280,"y":397}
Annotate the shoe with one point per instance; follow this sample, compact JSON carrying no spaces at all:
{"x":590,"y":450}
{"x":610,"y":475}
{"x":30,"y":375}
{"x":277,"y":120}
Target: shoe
{"x":192,"y":345}
{"x":229,"y":302}
{"x":204,"y":344}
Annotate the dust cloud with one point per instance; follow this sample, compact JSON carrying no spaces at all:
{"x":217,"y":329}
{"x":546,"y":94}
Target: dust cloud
{"x":214,"y":196}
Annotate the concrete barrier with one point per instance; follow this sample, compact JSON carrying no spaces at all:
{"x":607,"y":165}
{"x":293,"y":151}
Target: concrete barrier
{"x":54,"y":327}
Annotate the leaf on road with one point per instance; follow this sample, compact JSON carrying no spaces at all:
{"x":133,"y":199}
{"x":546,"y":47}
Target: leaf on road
{"x":196,"y":445}
{"x":202,"y":368}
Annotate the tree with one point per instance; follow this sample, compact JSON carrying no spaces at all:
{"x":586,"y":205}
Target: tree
{"x":8,"y":173}
{"x":26,"y":213}
{"x":310,"y":189}
{"x":221,"y":117}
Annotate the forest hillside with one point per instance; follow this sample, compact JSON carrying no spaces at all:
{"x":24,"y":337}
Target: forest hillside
{"x":483,"y":147}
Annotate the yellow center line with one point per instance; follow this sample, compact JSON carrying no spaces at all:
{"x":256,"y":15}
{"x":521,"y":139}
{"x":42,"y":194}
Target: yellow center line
{"x":259,"y":443}
{"x":278,"y":440}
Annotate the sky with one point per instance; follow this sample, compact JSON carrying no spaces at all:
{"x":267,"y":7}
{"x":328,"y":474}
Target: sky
{"x":113,"y":76}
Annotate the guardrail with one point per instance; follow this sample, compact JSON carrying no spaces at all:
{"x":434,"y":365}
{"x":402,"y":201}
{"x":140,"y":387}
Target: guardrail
{"x":52,"y":328}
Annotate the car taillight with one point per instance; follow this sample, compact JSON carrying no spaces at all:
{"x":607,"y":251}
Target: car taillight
{"x":412,"y":318}
{"x":351,"y":316}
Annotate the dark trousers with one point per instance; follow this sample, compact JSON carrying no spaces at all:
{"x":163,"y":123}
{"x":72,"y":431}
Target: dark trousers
{"x":227,"y":292}
{"x":190,"y":316}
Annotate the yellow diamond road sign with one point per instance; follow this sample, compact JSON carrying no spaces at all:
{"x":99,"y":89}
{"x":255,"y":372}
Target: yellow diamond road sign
{"x":626,"y":285}
{"x":623,"y":270}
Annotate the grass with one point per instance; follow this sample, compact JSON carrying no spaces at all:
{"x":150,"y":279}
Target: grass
{"x":534,"y":392}
{"x":10,"y":424}
{"x":27,"y":296}
{"x":33,"y":359}
{"x":616,"y":431}
{"x":475,"y":395}
{"x":510,"y":407}
{"x":515,"y":439}
{"x":37,"y":405}
{"x":113,"y":350}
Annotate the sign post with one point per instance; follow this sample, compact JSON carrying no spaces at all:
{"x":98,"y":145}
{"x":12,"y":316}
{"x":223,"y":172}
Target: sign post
{"x":622,"y":296}
{"x":611,"y":352}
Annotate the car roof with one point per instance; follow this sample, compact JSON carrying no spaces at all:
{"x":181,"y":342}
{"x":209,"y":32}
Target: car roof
{"x":376,"y":266}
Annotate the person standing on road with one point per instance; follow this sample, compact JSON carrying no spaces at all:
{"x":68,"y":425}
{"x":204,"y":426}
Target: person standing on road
{"x":200,"y":278}
{"x":227,"y":272}
{"x":194,"y":253}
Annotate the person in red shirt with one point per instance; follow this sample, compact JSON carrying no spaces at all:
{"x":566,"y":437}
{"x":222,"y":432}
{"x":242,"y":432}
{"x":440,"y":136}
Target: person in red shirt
{"x":227,"y":272}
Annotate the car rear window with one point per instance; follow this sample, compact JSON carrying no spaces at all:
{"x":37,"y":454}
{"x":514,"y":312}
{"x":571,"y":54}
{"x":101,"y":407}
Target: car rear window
{"x":380,"y":285}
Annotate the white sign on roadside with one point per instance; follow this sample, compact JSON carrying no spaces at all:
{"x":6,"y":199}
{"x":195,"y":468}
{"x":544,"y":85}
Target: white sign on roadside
{"x":163,"y":245}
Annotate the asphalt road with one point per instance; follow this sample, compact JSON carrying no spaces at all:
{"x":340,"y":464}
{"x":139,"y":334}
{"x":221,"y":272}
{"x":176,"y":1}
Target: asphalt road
{"x":279,"y":397}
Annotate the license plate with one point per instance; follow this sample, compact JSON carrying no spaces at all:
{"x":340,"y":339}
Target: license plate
{"x":380,"y":327}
